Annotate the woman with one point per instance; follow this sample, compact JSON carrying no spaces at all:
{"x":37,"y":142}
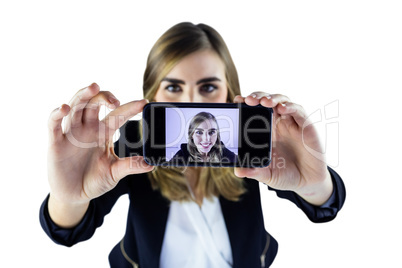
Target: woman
{"x":204,"y":142}
{"x":188,"y":63}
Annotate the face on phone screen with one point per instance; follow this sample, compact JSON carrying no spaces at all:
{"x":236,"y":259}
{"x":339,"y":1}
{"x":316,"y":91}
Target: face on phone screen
{"x":202,"y":135}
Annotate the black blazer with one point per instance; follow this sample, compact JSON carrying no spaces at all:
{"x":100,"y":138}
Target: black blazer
{"x":251,"y":245}
{"x":183,"y":155}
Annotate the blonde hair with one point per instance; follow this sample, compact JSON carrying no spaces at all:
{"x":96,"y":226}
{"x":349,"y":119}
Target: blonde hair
{"x":175,"y":44}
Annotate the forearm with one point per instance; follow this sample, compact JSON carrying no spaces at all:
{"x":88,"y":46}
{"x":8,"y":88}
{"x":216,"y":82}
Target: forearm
{"x":66,"y":215}
{"x":318,"y":194}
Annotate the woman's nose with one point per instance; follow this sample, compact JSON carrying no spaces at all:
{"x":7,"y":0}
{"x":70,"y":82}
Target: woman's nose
{"x":191,"y":95}
{"x":206,"y":137}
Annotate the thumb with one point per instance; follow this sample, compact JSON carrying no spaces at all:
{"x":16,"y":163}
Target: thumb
{"x":129,"y":165}
{"x":259,"y":174}
{"x":244,"y":172}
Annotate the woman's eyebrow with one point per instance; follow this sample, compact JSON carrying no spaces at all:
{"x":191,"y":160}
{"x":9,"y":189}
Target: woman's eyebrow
{"x":208,"y":79}
{"x":173,"y":80}
{"x":201,"y":81}
{"x":205,"y":129}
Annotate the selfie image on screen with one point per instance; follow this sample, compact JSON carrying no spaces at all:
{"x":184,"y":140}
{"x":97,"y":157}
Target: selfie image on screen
{"x":202,"y":135}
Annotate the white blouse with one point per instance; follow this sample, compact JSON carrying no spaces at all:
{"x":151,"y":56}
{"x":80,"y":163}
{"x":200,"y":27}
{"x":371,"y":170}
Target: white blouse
{"x":190,"y":230}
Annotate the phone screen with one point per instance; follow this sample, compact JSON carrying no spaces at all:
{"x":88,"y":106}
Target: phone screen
{"x":200,"y":131}
{"x":199,"y":134}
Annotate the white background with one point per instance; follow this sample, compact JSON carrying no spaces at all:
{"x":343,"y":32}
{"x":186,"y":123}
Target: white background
{"x":315,"y":52}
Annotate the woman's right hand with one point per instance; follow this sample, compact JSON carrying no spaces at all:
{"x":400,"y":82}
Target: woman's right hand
{"x":82,"y":164}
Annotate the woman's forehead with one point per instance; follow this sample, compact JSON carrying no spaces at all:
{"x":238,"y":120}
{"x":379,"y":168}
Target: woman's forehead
{"x":208,"y":124}
{"x":199,"y":65}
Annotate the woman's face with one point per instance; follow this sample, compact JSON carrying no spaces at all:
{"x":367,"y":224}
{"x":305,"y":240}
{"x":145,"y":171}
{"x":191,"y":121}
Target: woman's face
{"x":198,"y":77}
{"x":205,"y":136}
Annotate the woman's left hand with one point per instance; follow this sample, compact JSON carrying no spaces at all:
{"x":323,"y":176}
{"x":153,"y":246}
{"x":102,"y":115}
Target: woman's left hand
{"x":293,"y":167}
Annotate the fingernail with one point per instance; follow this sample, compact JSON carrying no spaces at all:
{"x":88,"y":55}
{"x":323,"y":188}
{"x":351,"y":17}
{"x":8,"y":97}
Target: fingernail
{"x":93,"y":86}
{"x":254,"y":95}
{"x":112,"y":99}
{"x":283,"y":104}
{"x":269,"y":97}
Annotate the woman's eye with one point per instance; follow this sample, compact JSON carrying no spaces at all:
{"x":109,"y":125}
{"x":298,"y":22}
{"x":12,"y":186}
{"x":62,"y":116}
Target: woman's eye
{"x":173,"y":88}
{"x":208,"y":88}
{"x":212,"y":132}
{"x":199,"y":132}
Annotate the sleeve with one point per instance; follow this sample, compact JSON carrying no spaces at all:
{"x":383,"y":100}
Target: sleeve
{"x":93,"y":218}
{"x":327,"y":211}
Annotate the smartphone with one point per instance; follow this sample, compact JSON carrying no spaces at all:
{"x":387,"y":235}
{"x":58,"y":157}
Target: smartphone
{"x":207,"y":134}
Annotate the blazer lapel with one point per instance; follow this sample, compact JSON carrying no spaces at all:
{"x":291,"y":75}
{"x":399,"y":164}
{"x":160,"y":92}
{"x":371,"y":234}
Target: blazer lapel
{"x":233,"y":226}
{"x":242,"y":222}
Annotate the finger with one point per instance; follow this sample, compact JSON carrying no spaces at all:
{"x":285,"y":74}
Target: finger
{"x":79,"y":101}
{"x":91,"y":111}
{"x":54,"y":122}
{"x":255,"y":97}
{"x":238,"y":99}
{"x":273,"y":100}
{"x":294,"y":110}
{"x":116,"y":118}
{"x":129,"y":165}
